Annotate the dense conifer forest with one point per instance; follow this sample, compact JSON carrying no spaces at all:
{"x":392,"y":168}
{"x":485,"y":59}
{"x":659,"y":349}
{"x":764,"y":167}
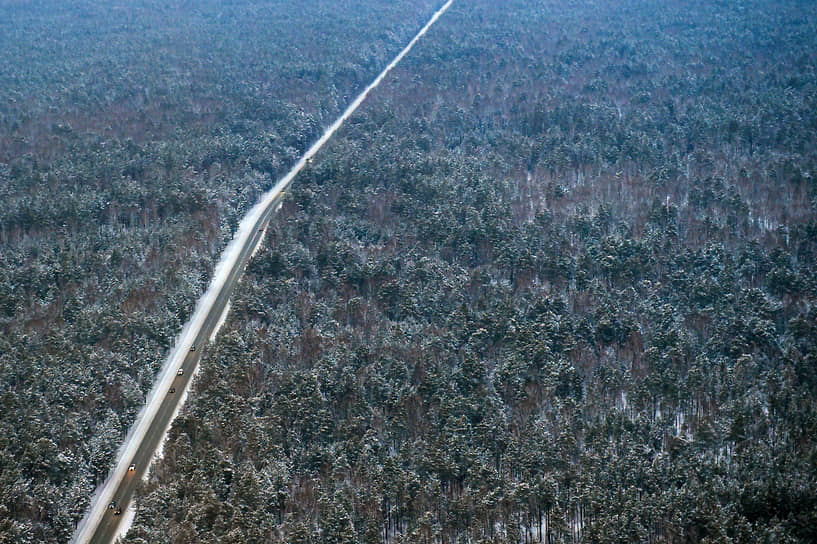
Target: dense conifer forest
{"x":133,"y":137}
{"x":554,"y":282}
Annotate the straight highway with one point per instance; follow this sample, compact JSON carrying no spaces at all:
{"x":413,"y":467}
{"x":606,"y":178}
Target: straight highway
{"x":103,"y":523}
{"x":169,"y":397}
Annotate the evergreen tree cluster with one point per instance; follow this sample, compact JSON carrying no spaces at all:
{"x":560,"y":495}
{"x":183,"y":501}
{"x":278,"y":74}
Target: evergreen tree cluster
{"x":133,"y":137}
{"x":554,"y":283}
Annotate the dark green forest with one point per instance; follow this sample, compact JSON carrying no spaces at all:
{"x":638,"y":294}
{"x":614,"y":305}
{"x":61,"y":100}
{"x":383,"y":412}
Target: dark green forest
{"x":553,"y":282}
{"x":133,"y":136}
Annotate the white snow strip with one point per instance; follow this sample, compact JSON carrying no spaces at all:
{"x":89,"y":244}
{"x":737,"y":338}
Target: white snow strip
{"x":127,"y":520}
{"x":221,"y":321}
{"x":185,"y":340}
{"x":160,"y":449}
{"x":260,"y":241}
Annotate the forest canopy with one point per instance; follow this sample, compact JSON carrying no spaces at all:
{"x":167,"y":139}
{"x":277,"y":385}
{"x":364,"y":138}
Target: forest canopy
{"x":554,"y":282}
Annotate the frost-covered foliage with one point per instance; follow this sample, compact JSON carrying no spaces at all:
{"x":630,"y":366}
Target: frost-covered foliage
{"x":555,"y":283}
{"x":133,"y":136}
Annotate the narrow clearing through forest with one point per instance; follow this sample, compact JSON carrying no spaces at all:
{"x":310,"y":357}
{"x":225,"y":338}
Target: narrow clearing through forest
{"x":151,"y":425}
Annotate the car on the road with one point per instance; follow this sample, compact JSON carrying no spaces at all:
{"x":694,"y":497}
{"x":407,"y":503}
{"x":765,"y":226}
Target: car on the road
{"x":112,"y":506}
{"x":132,"y":468}
{"x":193,"y":348}
{"x":117,"y":510}
{"x":180,"y":372}
{"x":172,"y":390}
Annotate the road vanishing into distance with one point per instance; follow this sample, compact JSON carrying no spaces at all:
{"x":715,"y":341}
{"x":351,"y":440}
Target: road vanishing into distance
{"x":104,"y":521}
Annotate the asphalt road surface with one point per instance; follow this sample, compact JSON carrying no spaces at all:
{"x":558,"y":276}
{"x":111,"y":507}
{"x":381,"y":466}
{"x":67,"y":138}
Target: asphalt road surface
{"x":108,"y":527}
{"x":103,"y":525}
